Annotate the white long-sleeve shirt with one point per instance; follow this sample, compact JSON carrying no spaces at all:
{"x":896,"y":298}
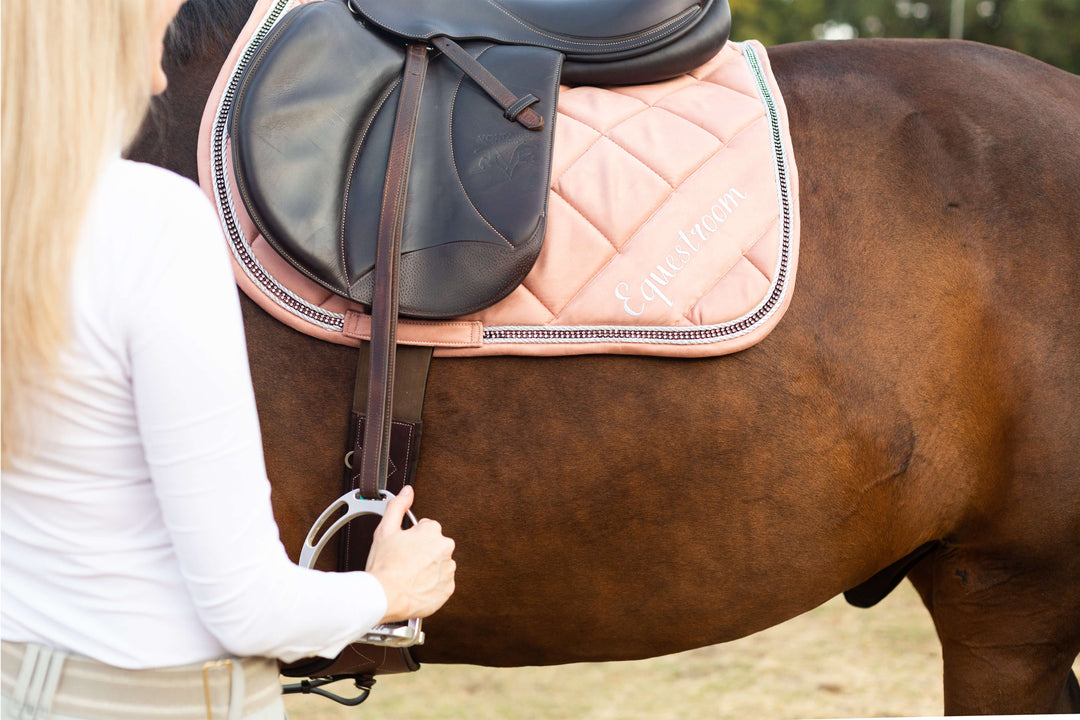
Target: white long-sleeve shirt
{"x":138,"y":529}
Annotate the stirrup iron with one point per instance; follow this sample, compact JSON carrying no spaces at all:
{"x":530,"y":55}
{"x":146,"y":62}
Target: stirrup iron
{"x":398,"y":634}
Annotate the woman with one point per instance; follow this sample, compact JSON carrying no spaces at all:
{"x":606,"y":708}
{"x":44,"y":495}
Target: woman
{"x":138,"y":544}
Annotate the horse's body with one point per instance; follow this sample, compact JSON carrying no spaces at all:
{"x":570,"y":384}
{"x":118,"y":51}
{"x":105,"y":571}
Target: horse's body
{"x":924,"y":385}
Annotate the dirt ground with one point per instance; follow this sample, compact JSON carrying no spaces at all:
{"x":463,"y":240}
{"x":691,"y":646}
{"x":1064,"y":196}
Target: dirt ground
{"x":834,"y":662}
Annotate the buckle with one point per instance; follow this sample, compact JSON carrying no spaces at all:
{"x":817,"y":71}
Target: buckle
{"x":398,"y":634}
{"x":206,"y":668}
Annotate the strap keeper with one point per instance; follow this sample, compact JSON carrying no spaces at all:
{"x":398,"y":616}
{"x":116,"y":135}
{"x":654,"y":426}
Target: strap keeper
{"x":520,"y":105}
{"x":207,"y":667}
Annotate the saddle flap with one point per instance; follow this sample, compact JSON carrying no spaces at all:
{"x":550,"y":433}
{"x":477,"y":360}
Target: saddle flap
{"x":604,"y":41}
{"x":311,"y":133}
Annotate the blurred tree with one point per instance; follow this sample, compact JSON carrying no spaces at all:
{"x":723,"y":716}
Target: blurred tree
{"x":1045,"y":29}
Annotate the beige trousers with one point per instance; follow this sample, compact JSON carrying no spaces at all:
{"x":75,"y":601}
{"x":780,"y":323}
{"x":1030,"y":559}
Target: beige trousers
{"x":39,"y":683}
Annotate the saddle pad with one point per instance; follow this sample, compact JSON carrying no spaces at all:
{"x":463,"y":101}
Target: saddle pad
{"x":673,"y":222}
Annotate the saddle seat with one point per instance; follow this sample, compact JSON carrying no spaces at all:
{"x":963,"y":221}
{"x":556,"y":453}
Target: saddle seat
{"x":605,"y":42}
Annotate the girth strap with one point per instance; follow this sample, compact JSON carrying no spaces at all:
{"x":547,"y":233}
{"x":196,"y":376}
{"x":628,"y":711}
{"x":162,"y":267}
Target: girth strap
{"x":410,"y":372}
{"x":410,"y":382}
{"x":384,"y":303}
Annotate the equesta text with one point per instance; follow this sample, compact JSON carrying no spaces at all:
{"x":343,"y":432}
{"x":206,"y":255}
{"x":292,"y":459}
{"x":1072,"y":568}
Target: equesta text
{"x":688,"y":244}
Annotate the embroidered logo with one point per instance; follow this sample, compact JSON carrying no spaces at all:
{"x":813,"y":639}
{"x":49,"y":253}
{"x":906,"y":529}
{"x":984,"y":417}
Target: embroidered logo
{"x":637,"y":296}
{"x":504,"y":154}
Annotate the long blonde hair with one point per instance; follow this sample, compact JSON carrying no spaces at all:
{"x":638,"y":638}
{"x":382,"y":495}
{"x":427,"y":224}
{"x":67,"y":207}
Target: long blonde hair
{"x":76,"y":83}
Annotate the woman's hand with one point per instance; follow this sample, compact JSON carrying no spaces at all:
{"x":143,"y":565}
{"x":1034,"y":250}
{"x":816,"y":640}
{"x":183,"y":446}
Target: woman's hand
{"x":414,"y":566}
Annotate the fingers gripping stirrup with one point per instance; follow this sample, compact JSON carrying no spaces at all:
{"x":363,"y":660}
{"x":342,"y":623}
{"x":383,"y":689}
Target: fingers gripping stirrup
{"x":403,"y":634}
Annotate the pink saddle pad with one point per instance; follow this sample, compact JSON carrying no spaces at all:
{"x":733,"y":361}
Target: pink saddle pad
{"x":673,"y":222}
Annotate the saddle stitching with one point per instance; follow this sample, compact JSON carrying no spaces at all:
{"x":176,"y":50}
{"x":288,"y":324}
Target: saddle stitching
{"x":511,"y":283}
{"x":714,"y":332}
{"x":783,"y":172}
{"x":352,"y":330}
{"x":223,"y":197}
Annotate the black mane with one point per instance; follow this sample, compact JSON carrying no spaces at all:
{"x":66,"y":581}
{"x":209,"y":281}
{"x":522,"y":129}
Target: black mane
{"x":202,"y":33}
{"x":205,"y":26}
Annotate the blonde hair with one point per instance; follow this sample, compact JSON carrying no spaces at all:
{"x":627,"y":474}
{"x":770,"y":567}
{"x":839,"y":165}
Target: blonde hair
{"x":76,"y":83}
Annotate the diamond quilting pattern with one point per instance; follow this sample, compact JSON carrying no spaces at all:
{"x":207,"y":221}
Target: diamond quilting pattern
{"x":688,"y":183}
{"x":599,"y":108}
{"x":669,"y":145}
{"x":637,"y":163}
{"x":565,"y":268}
{"x":613,"y":189}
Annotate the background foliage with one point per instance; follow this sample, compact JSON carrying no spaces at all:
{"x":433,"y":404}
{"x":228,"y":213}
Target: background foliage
{"x":1045,"y":29}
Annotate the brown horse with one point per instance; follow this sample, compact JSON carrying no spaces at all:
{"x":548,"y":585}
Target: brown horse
{"x":924,"y":386}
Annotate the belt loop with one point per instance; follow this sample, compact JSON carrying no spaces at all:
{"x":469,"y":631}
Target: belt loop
{"x":38,"y":679}
{"x":237,"y":691}
{"x":26,"y":674}
{"x":206,"y":668}
{"x":52,"y":681}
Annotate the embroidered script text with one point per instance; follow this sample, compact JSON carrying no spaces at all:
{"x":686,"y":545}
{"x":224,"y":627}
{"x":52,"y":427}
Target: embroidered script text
{"x":636,"y":296}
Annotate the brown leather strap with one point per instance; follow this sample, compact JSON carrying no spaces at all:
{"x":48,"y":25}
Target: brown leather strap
{"x":514,"y":107}
{"x":384,"y":308}
{"x":410,"y":383}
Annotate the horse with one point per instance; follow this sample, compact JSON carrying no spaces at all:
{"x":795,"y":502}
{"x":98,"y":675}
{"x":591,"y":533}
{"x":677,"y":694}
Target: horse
{"x":918,"y":407}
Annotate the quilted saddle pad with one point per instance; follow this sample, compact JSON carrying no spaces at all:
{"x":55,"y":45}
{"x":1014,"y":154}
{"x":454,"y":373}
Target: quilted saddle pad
{"x":673,"y":222}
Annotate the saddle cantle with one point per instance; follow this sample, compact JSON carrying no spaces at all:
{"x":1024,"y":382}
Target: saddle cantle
{"x":313,"y":124}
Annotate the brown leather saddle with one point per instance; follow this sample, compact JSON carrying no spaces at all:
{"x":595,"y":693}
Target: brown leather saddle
{"x":399,"y":155}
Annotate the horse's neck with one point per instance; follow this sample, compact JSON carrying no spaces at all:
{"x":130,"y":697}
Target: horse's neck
{"x":169,"y":136}
{"x":198,"y":43}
